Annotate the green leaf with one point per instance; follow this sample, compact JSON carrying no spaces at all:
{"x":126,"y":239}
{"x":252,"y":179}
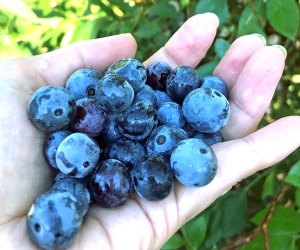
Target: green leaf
{"x":261,"y":9}
{"x":208,"y":68}
{"x":293,"y":176}
{"x":86,"y":30}
{"x":249,"y":23}
{"x":283,"y":226}
{"x":297,"y":197}
{"x":221,"y":46}
{"x":271,"y":185}
{"x":219,"y":7}
{"x":148,"y":29}
{"x":194,"y":231}
{"x":227,"y":218}
{"x":284,"y":17}
{"x":163,"y":9}
{"x":175,"y":242}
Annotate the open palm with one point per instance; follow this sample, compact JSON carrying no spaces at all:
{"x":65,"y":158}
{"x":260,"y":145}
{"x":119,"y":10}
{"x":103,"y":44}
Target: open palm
{"x":252,"y":71}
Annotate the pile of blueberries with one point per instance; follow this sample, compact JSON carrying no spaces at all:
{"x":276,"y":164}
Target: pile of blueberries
{"x":128,"y":129}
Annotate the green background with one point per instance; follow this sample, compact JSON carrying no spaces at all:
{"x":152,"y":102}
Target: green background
{"x":271,"y":197}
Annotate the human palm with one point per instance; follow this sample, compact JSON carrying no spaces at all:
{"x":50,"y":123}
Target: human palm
{"x":252,"y":71}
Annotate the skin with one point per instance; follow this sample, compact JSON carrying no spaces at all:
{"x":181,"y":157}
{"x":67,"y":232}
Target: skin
{"x":252,"y":71}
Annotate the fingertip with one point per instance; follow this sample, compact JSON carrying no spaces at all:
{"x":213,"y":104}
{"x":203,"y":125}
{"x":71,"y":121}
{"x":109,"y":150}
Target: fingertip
{"x":209,"y":17}
{"x":282,"y":49}
{"x":131,"y":39}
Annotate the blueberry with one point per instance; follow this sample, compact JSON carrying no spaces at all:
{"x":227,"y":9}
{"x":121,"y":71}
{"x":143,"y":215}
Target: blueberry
{"x":77,"y":189}
{"x":51,"y":108}
{"x":157,"y":74}
{"x":160,"y":98}
{"x":110,"y":131}
{"x":125,"y":151}
{"x":206,"y":110}
{"x":90,"y":117}
{"x":77,"y":155}
{"x":51,"y":144}
{"x":61,"y":176}
{"x":181,"y":81}
{"x":53,"y":220}
{"x":110,"y":183}
{"x":114,"y":93}
{"x":132,"y":70}
{"x":137,"y":122}
{"x":82,"y":83}
{"x":193,"y":162}
{"x":188,"y":129}
{"x":209,"y":138}
{"x":152,"y":177}
{"x":215,"y":82}
{"x":146,"y":93}
{"x":163,"y":139}
{"x":170,"y":113}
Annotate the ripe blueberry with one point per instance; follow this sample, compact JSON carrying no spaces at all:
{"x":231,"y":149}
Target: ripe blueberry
{"x":152,"y":177}
{"x":51,"y":108}
{"x":110,"y":183}
{"x":206,"y":110}
{"x":77,"y":155}
{"x":193,"y":163}
{"x":181,"y":81}
{"x":114,"y":93}
{"x":157,"y":74}
{"x":132,"y":70}
{"x":82,"y":83}
{"x":137,"y":122}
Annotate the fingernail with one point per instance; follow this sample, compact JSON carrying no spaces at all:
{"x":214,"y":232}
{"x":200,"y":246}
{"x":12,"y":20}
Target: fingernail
{"x":282,"y":49}
{"x":261,"y":38}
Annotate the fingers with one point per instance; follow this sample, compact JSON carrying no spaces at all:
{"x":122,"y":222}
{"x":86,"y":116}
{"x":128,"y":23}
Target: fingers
{"x":54,"y":67}
{"x":240,"y":158}
{"x":237,"y":56}
{"x":253,"y":91}
{"x":190,"y":43}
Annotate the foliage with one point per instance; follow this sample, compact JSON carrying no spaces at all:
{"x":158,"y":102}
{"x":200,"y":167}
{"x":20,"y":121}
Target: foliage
{"x":36,"y":26}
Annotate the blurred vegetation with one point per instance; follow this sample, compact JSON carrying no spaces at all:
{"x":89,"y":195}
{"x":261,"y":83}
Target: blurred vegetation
{"x":262,"y":212}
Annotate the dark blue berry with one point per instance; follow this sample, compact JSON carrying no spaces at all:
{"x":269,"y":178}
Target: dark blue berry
{"x":170,"y":113}
{"x":53,"y":220}
{"x":206,"y":110}
{"x":188,"y":129}
{"x":157,"y":74}
{"x":51,"y":108}
{"x":209,"y":138}
{"x":193,"y":162}
{"x":146,"y":93}
{"x":90,"y":117}
{"x":137,"y":122}
{"x":181,"y":81}
{"x":82,"y":83}
{"x":77,"y":155}
{"x":152,"y":177}
{"x":215,"y":82}
{"x":160,"y":98}
{"x":132,"y":70}
{"x":163,"y":139}
{"x":125,"y":151}
{"x":51,"y":144}
{"x":77,"y":189}
{"x":110,"y":183}
{"x":114,"y":93}
{"x":110,"y":131}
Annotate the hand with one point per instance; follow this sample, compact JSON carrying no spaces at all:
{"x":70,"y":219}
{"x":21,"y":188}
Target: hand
{"x":252,"y":71}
